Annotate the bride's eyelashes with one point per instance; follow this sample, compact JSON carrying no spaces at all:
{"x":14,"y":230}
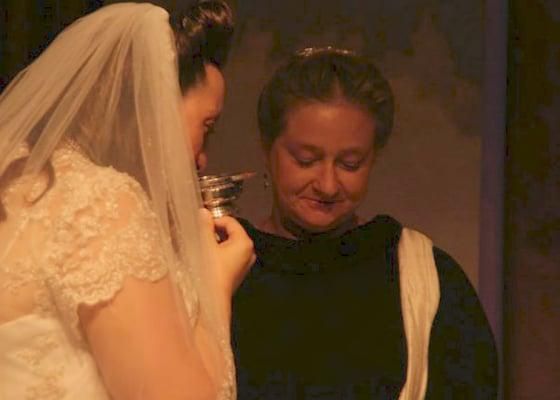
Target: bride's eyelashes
{"x":210,"y":126}
{"x":209,"y":129}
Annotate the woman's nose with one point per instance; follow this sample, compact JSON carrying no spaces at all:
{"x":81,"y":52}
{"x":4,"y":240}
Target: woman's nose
{"x":326,"y":182}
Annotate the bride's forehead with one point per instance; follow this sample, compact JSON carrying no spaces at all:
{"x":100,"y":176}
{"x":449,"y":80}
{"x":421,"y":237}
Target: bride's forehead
{"x":214,"y":79}
{"x":211,"y":85}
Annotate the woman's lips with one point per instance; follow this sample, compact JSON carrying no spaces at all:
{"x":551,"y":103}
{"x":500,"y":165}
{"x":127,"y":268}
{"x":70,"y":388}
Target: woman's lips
{"x":322,"y":205}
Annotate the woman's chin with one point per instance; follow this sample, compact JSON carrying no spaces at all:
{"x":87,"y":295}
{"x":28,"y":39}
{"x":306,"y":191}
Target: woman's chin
{"x":318,"y":225}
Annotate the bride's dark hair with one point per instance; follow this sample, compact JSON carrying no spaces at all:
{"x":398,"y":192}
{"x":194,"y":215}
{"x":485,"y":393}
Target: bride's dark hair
{"x":203,"y":35}
{"x":202,"y":32}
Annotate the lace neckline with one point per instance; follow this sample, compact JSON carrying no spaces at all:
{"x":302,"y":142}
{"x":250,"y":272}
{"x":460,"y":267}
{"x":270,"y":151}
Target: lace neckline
{"x":72,"y":145}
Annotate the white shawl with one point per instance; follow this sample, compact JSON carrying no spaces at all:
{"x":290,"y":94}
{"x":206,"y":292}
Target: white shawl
{"x":419,"y":286}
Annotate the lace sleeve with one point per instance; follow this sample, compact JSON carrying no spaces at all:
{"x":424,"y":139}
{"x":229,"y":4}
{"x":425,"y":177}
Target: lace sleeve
{"x":106,"y":232}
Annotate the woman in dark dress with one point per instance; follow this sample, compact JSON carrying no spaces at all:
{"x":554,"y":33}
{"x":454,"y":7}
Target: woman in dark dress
{"x":337,"y":307}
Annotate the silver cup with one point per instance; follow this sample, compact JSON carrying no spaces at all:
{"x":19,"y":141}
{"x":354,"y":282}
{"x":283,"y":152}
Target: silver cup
{"x":219,"y":192}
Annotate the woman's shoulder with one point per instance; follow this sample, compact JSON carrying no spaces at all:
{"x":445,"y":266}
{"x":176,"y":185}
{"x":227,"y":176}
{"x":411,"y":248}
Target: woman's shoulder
{"x":450,"y":273}
{"x":455,"y":285}
{"x":389,"y":228}
{"x":448,"y":268}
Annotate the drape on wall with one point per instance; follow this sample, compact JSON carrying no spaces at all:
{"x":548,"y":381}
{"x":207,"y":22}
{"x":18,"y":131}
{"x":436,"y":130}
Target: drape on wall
{"x":532,"y":220}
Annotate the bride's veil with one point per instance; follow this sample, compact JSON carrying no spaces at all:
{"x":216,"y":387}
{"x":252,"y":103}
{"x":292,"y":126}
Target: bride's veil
{"x":110,"y":82}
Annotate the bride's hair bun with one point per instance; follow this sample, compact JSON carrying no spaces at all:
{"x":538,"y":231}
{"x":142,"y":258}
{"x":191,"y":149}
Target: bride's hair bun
{"x":203,"y":33}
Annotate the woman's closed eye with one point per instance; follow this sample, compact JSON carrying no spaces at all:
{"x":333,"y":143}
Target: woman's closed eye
{"x":351,"y":165}
{"x":305,"y":161}
{"x":348,"y":165}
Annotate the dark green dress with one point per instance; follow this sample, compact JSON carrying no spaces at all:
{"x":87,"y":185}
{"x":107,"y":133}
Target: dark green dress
{"x":320,"y":318}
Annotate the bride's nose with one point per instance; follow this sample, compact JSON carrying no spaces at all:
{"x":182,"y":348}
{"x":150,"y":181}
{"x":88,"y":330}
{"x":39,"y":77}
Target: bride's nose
{"x":201,"y":161}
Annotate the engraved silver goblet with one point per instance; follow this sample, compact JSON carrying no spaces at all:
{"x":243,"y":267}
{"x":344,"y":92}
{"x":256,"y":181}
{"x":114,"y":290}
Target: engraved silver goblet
{"x":219,"y":192}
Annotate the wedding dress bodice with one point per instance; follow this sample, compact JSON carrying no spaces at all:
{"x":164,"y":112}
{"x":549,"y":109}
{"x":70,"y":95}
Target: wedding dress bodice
{"x":74,"y":246}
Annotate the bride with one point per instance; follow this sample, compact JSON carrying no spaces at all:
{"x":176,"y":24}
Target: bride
{"x":112,"y":284}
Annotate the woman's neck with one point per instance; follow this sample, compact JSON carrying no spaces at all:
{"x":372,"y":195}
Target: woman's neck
{"x":279,"y":225}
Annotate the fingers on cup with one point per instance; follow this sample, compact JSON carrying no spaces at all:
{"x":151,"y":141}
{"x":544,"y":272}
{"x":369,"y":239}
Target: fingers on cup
{"x":207,"y":224}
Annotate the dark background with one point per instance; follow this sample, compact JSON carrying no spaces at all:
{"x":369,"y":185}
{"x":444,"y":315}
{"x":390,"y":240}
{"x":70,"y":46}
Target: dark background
{"x":471,"y":164}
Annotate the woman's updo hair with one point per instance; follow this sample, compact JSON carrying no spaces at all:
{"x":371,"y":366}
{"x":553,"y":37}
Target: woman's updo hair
{"x":325,"y":74}
{"x":203,"y":33}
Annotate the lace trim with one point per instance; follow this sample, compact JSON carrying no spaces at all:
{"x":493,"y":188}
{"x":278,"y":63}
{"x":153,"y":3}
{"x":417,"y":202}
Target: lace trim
{"x":89,"y":261}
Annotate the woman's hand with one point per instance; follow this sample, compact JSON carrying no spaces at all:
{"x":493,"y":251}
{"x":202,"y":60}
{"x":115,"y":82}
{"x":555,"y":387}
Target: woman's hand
{"x":233,"y":256}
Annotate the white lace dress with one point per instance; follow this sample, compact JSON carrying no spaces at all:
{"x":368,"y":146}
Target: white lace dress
{"x":74,"y":246}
